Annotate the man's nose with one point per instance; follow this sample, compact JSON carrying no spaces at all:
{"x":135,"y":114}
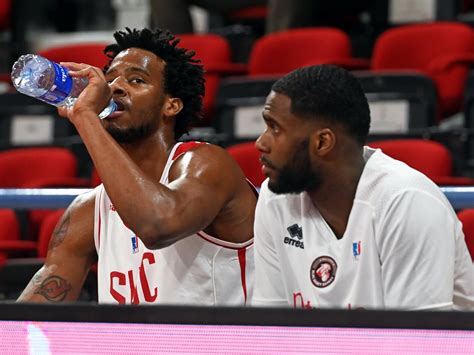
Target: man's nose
{"x":117,"y":86}
{"x":262,"y":143}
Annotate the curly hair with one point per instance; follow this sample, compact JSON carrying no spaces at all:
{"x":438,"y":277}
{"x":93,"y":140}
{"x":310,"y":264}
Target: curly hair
{"x":330,"y":92}
{"x":183,"y":76}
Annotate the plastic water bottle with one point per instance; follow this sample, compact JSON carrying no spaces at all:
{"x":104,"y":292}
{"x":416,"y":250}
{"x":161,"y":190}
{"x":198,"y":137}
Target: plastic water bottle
{"x":36,"y":76}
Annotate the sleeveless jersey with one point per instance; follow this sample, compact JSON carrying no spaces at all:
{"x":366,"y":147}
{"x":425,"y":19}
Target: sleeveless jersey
{"x":196,"y":270}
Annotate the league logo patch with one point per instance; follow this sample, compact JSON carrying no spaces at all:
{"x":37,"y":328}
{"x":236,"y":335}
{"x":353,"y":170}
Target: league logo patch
{"x":134,"y":240}
{"x":356,"y":249}
{"x":323,"y":271}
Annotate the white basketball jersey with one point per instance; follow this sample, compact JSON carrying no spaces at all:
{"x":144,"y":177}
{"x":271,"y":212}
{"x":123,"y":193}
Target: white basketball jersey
{"x":196,"y":270}
{"x":403,"y":247}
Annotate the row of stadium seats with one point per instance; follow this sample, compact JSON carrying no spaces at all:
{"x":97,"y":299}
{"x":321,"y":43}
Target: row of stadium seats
{"x":411,"y":83}
{"x":429,"y":157}
{"x":440,"y":51}
{"x":55,"y":167}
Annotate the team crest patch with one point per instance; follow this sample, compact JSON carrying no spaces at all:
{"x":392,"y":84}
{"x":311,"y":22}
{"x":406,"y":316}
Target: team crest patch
{"x":323,"y":271}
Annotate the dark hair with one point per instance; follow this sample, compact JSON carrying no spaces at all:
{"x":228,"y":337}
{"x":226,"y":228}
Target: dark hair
{"x":183,"y":77}
{"x":327,"y":92}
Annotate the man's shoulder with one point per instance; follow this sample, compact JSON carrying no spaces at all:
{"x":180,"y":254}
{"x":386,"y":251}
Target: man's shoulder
{"x":189,"y":146}
{"x":86,"y":199}
{"x":384,"y":177}
{"x":199,"y":150}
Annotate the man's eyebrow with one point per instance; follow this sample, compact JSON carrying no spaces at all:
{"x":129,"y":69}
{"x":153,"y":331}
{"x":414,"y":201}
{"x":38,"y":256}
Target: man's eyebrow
{"x":130,"y":69}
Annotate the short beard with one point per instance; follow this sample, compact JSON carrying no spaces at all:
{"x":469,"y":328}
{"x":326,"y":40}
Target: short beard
{"x":297,"y":175}
{"x":131,"y":134}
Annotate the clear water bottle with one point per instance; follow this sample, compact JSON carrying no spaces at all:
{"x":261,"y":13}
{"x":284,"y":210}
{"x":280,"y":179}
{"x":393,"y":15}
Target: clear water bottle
{"x":36,"y":76}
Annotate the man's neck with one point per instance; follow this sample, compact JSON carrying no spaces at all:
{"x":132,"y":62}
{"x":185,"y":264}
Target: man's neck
{"x":151,"y":154}
{"x":335,"y":197}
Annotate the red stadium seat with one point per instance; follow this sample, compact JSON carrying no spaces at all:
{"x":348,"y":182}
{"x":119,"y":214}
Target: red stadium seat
{"x":95,"y":178}
{"x":89,"y":53}
{"x":251,"y":12}
{"x":442,"y":51}
{"x":247,"y":156}
{"x":215,"y":54}
{"x":5,"y":13}
{"x":10,"y":236}
{"x":429,"y":157}
{"x":44,"y":167}
{"x":281,"y":52}
{"x":467,"y":218}
{"x":38,"y":167}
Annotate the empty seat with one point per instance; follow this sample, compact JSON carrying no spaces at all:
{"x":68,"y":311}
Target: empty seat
{"x":429,"y":157}
{"x":441,"y":50}
{"x":89,"y":53}
{"x":39,"y":168}
{"x":10,"y":237}
{"x":467,"y":218}
{"x":281,"y":52}
{"x":215,"y":55}
{"x":248,"y":158}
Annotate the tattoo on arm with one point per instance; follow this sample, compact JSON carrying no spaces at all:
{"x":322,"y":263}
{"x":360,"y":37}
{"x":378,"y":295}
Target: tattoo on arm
{"x":60,"y":232}
{"x":54,"y":288}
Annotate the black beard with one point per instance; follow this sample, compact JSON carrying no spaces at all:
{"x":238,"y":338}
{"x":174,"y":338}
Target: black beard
{"x":296,"y":176}
{"x":131,"y":134}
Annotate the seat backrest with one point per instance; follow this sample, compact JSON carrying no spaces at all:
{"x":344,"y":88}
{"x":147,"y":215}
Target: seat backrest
{"x":416,"y":46}
{"x":5,"y":13}
{"x":431,"y":158}
{"x":282,"y":52}
{"x":9,"y":225}
{"x":436,"y":49}
{"x":467,"y":218}
{"x":46,"y":230}
{"x":400,"y":103}
{"x":212,"y":50}
{"x":88,"y":53}
{"x":247,"y":156}
{"x":33,"y":167}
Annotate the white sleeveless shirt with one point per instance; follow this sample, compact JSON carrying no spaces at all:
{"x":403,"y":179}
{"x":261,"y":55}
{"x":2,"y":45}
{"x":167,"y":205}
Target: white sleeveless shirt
{"x":196,"y":270}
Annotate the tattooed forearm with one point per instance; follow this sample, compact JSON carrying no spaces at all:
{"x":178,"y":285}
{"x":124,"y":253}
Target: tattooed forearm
{"x":60,"y":231}
{"x":54,"y":288}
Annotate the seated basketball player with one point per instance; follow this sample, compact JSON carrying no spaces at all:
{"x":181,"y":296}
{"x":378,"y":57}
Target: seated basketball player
{"x":341,"y":225}
{"x":172,"y":222}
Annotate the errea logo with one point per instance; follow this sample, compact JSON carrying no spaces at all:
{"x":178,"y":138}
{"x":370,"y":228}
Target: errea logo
{"x":296,"y":236}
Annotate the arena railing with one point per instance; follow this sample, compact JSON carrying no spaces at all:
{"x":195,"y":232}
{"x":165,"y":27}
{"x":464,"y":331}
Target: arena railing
{"x":460,"y":197}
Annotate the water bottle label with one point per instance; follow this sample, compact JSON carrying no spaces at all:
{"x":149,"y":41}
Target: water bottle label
{"x":61,"y":88}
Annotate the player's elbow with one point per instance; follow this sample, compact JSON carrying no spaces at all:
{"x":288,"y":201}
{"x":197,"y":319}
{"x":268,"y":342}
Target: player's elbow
{"x":157,"y":235}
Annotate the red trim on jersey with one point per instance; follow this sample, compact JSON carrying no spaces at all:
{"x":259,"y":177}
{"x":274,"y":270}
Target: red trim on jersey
{"x":186,"y":146}
{"x":98,"y":232}
{"x":222,"y":245}
{"x":242,"y":261}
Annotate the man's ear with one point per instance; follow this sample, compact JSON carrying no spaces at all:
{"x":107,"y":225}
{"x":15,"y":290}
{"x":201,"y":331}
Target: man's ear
{"x":172,"y":106}
{"x":323,"y":141}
